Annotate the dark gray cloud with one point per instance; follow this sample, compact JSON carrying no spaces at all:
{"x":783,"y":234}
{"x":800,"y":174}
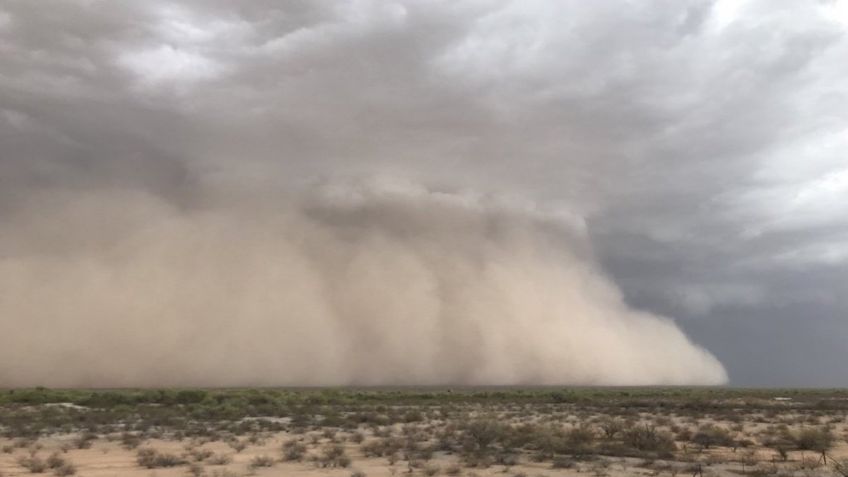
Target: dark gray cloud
{"x":703,"y":142}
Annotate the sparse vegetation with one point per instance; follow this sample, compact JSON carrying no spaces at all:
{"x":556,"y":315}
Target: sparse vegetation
{"x":432,"y":432}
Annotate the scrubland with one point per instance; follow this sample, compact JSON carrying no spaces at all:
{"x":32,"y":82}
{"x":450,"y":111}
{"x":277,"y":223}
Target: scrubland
{"x":465,"y":432}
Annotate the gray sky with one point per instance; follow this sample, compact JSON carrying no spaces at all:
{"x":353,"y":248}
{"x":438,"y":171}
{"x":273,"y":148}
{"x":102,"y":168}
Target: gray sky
{"x":703,"y":142}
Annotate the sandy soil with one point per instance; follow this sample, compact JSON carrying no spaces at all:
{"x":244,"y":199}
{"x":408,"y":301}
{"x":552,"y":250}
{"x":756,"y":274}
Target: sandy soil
{"x":108,"y":458}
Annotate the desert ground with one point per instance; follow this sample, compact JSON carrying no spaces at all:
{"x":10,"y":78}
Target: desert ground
{"x":424,"y":432}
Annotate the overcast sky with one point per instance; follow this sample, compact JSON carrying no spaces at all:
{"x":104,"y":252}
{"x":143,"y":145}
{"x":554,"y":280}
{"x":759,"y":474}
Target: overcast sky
{"x":703,"y":142}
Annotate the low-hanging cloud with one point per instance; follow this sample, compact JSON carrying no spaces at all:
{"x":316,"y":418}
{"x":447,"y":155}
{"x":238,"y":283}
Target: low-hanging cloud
{"x":354,"y":284}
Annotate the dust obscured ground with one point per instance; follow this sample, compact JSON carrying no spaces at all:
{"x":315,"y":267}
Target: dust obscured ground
{"x":424,"y":432}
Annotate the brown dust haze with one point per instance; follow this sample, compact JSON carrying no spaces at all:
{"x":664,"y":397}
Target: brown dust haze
{"x":354,"y":284}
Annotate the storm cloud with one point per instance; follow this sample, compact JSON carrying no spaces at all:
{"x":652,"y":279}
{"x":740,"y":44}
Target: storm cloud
{"x":694,"y":148}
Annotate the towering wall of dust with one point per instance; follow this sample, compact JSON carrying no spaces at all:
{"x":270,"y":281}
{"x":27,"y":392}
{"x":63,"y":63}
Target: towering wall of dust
{"x":361,"y":285}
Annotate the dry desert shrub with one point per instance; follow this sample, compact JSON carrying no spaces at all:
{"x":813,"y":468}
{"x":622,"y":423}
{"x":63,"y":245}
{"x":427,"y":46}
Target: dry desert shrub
{"x":219,"y":459}
{"x":237,"y":444}
{"x":649,"y":440}
{"x":382,"y":447}
{"x":599,"y":468}
{"x":261,"y":461}
{"x":563,"y":462}
{"x":293,"y":450}
{"x":710,"y":436}
{"x":256,"y":439}
{"x":130,"y":441}
{"x":432,"y":470}
{"x":196,"y":469}
{"x":580,"y":439}
{"x":611,"y":428}
{"x":223,"y":473}
{"x":453,"y":470}
{"x":199,"y":455}
{"x":153,"y":459}
{"x":814,"y":439}
{"x":55,"y":460}
{"x":60,"y":466}
{"x":33,"y":464}
{"x":333,"y":455}
{"x":84,"y":440}
{"x":841,"y":467}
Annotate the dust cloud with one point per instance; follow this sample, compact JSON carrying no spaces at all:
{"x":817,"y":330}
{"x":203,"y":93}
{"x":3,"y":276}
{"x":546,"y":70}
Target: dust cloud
{"x":367,"y":284}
